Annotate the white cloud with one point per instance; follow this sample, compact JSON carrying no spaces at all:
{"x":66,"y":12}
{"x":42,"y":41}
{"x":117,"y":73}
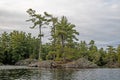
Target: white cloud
{"x":95,"y":19}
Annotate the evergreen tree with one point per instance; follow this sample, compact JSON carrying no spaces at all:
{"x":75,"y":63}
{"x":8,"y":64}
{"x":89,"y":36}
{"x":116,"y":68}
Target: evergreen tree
{"x":65,"y":33}
{"x":111,"y":55}
{"x":92,"y":51}
{"x":38,"y":20}
{"x":118,"y":53}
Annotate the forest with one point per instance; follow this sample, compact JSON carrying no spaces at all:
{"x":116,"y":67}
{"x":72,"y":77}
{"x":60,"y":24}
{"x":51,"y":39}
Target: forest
{"x":63,"y":45}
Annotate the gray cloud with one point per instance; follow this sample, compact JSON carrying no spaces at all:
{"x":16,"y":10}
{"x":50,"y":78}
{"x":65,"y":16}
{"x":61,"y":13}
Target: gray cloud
{"x":95,"y":19}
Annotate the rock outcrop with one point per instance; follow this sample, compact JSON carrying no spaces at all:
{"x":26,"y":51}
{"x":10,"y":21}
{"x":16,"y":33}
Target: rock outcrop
{"x":80,"y":63}
{"x":26,"y":62}
{"x":44,"y":64}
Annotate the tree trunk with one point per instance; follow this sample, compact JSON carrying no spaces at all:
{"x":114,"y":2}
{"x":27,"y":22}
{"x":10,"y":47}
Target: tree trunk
{"x":40,"y":41}
{"x":54,"y":39}
{"x":63,"y":45}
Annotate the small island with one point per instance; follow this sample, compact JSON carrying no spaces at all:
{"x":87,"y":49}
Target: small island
{"x":64,"y":50}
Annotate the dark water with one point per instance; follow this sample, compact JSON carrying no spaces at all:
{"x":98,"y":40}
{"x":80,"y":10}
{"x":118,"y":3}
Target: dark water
{"x":60,"y":74}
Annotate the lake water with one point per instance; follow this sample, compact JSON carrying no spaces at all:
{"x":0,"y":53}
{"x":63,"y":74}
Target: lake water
{"x":59,"y":74}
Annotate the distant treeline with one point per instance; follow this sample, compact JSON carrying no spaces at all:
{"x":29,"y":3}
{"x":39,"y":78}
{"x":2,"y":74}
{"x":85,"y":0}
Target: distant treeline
{"x":63,"y":45}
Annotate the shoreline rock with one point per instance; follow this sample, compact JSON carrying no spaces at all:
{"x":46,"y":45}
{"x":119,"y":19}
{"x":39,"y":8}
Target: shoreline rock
{"x":26,"y":62}
{"x":80,"y":63}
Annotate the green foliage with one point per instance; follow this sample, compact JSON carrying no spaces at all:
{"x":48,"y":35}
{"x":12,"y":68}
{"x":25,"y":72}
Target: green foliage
{"x":15,"y":46}
{"x":83,"y":49}
{"x":118,"y":53}
{"x":101,"y":59}
{"x":111,"y":55}
{"x":92,"y":51}
{"x":63,"y":33}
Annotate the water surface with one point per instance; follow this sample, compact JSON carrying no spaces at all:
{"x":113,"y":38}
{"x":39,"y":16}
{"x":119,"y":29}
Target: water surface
{"x":59,"y":74}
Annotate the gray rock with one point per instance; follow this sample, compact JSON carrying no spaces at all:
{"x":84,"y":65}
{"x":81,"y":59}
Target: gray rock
{"x":80,"y":63}
{"x":44,"y":64}
{"x":26,"y":62}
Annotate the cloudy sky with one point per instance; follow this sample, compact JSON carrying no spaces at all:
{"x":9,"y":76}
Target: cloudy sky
{"x":97,"y":20}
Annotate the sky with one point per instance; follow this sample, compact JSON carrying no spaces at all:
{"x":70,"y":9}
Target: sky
{"x":97,"y":20}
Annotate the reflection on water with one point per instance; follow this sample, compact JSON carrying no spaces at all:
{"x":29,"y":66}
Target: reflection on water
{"x":60,"y":74}
{"x":14,"y":74}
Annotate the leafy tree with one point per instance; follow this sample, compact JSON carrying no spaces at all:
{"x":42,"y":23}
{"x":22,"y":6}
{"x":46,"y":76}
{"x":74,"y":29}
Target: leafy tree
{"x":16,"y":46}
{"x":4,"y":47}
{"x":34,"y":49}
{"x":19,"y":46}
{"x":83,"y":49}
